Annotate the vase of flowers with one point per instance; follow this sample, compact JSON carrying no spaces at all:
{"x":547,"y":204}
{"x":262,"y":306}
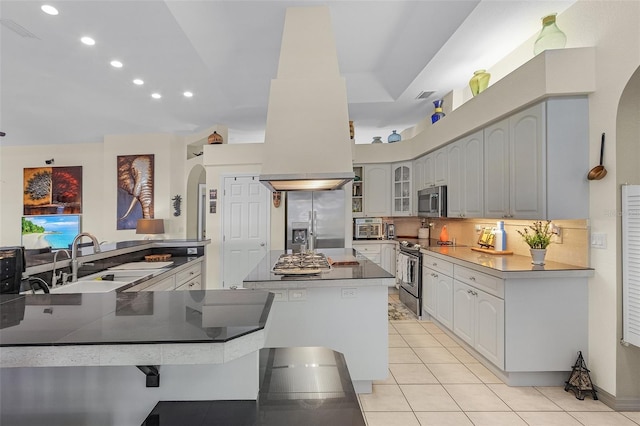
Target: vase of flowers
{"x":538,"y":237}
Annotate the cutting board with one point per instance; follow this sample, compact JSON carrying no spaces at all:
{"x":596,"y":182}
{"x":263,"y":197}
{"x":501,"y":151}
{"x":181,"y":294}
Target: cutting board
{"x":143,"y":265}
{"x":345,"y":260}
{"x":490,"y":251}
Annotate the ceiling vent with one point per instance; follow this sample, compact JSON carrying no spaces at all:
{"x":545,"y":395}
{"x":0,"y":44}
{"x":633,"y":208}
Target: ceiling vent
{"x":17,"y":28}
{"x":424,"y":95}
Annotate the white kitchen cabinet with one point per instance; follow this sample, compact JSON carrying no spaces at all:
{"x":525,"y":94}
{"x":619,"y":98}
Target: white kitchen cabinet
{"x":166,"y":284}
{"x":439,"y":167}
{"x":382,"y":254}
{"x":437,"y":286}
{"x":190,"y":274}
{"x":535,"y":162}
{"x":377,"y":194}
{"x":192,"y":284}
{"x":418,"y":173}
{"x":371,"y":251}
{"x":478,"y":319}
{"x":371,"y":195}
{"x":388,"y":257}
{"x":465,"y":167}
{"x":402,"y":189}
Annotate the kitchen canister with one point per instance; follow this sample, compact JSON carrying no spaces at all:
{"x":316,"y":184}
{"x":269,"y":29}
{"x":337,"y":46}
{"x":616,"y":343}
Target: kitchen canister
{"x":394,"y":137}
{"x":479,"y":81}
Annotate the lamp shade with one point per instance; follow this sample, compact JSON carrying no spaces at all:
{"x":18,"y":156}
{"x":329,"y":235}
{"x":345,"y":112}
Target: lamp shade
{"x":150,"y":226}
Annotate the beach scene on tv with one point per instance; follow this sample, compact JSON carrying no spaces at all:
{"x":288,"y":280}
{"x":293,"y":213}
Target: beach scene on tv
{"x":54,"y":231}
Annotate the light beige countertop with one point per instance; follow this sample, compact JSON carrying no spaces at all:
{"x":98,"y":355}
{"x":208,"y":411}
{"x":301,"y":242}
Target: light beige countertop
{"x":506,"y":266}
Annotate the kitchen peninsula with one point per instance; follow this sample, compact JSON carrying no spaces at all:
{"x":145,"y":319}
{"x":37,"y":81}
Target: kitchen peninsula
{"x":71,"y":358}
{"x":344,"y":309}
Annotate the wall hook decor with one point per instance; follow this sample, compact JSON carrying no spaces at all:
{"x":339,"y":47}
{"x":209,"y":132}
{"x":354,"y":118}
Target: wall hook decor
{"x":277,"y":197}
{"x":177,"y":200}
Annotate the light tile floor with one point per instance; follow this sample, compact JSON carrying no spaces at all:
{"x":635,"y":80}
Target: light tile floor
{"x":434,"y":381}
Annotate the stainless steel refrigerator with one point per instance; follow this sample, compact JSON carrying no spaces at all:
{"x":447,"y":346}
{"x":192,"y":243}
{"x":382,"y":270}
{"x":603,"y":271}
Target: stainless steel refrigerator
{"x":315,"y":219}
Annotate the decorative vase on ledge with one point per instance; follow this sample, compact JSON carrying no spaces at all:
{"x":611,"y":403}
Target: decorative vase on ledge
{"x":479,"y":81}
{"x":537,"y":256}
{"x":394,"y":137}
{"x":438,"y":114}
{"x":377,"y":139}
{"x":214,"y":138}
{"x":550,"y":37}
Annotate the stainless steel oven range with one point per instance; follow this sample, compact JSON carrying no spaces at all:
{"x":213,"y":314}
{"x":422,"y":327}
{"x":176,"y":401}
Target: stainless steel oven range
{"x":409,"y":276}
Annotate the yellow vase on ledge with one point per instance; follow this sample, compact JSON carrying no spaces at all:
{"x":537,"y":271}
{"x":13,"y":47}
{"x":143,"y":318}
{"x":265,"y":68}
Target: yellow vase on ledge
{"x":479,"y":81}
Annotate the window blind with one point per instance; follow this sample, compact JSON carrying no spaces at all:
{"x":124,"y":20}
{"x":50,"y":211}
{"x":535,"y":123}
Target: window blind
{"x":631,"y":264}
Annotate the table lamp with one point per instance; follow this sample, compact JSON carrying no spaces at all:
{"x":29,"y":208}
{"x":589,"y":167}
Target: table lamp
{"x":150,"y":227}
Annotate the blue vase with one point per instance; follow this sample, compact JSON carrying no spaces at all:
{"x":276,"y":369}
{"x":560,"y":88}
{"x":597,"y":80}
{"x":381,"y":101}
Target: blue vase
{"x":438,"y":114}
{"x":394,"y":137}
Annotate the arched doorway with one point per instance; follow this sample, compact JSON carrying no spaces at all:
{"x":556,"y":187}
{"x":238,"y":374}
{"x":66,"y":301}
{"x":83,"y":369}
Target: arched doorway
{"x":195,"y":204}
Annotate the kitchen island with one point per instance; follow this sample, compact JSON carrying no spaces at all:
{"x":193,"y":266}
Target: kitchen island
{"x":344,"y":309}
{"x":72,"y":358}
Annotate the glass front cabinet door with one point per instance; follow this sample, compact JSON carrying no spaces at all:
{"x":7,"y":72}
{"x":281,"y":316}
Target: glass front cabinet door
{"x":402,"y":189}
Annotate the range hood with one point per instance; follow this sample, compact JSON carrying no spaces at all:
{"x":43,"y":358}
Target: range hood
{"x":307,"y":144}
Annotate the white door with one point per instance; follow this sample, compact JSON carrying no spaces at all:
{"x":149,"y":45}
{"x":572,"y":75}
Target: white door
{"x":245,"y":227}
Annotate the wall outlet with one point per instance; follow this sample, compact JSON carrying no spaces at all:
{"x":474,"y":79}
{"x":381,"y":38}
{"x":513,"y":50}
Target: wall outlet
{"x":557,"y":234}
{"x":297,"y":295}
{"x":192,"y":250}
{"x":349,"y":293}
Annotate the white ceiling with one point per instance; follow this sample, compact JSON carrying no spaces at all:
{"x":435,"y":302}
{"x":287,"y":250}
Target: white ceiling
{"x":54,"y":89}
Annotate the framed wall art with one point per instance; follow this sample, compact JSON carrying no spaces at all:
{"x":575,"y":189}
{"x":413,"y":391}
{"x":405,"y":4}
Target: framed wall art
{"x":135,"y":175}
{"x":52,"y":190}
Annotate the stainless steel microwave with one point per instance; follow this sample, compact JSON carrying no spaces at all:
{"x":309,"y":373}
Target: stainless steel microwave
{"x":432,"y":202}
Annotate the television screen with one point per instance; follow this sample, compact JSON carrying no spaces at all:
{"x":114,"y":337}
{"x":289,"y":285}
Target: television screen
{"x":56,"y":231}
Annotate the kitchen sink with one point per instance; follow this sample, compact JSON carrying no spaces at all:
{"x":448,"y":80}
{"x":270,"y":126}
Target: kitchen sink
{"x":89,"y":286}
{"x":102,"y":282}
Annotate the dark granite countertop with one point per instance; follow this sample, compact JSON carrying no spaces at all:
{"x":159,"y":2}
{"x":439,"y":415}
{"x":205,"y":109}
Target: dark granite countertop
{"x":131,"y":318}
{"x":365,"y":270}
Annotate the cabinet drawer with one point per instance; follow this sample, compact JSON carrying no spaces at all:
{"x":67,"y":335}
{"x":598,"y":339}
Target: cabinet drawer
{"x":488,"y":283}
{"x":166,"y":284}
{"x":436,"y":264}
{"x":192,"y":284}
{"x":188,"y":274}
{"x":367,"y":248}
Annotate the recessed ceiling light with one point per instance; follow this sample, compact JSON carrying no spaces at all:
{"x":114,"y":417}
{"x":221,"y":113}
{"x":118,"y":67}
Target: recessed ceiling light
{"x":138,"y":81}
{"x":116,"y":64}
{"x":49,"y":10}
{"x":156,"y":95}
{"x":188,"y":94}
{"x":88,"y":41}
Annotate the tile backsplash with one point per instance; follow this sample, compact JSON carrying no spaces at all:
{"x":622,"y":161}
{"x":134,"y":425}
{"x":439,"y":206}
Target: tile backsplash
{"x":573,"y":250}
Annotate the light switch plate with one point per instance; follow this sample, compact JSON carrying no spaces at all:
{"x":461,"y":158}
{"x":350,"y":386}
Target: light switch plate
{"x":599,"y":240}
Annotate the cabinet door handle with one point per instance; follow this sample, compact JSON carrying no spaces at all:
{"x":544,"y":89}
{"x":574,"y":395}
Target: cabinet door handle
{"x":470,"y":291}
{"x":435,"y":264}
{"x":434,"y":275}
{"x":472,"y":278}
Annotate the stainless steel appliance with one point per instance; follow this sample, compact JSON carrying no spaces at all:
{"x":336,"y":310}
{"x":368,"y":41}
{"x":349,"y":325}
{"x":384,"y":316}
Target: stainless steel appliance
{"x":390,"y":231}
{"x":368,"y":229}
{"x":432,"y":202}
{"x":315,"y":220}
{"x":409,"y":276}
{"x":12,"y":265}
{"x":301,"y":264}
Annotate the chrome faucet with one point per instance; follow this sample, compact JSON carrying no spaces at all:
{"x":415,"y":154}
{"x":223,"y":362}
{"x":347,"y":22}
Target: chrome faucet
{"x":74,"y":253}
{"x":55,"y":278}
